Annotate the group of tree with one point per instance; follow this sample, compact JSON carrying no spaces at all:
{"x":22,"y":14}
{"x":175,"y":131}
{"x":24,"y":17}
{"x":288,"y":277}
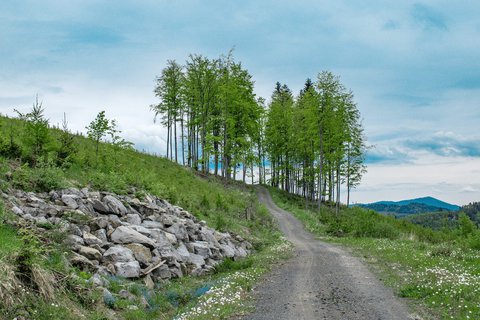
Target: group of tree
{"x":309,"y":144}
{"x":315,"y":141}
{"x":211,"y":114}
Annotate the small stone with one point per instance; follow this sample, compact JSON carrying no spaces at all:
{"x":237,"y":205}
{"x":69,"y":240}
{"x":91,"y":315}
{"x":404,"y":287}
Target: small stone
{"x":90,"y":239}
{"x":118,"y":254}
{"x":70,"y":201}
{"x":124,"y":294}
{"x":101,"y":234}
{"x":90,"y":253}
{"x":149,"y":282}
{"x":134,"y":219}
{"x":142,"y":254}
{"x":108,"y":298}
{"x":202,"y":249}
{"x":81,"y":262}
{"x":17,"y":210}
{"x":128,"y":269}
{"x":74,"y":241}
{"x":97,"y":280}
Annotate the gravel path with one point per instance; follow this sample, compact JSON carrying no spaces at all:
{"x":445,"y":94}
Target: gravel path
{"x":321,"y":281}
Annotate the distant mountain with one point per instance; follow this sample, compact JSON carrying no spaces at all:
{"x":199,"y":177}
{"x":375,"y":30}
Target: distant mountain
{"x":411,"y":206}
{"x":429,"y":201}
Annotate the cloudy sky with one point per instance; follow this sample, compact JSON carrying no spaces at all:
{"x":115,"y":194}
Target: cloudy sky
{"x":414,"y":68}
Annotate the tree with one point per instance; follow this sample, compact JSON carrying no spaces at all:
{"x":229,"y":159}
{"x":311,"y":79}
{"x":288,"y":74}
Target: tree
{"x":100,"y":128}
{"x":67,"y":144}
{"x":36,"y":134}
{"x":169,"y":89}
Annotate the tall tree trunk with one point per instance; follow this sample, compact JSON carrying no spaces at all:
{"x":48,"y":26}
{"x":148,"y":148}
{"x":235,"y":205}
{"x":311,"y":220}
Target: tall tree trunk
{"x":168,"y":135}
{"x":320,"y":171}
{"x":183,"y":139}
{"x":175,"y":137}
{"x":338,"y":189}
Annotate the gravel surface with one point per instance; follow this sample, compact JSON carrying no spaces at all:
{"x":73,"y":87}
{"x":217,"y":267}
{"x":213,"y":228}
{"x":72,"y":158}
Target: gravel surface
{"x":321,"y":281}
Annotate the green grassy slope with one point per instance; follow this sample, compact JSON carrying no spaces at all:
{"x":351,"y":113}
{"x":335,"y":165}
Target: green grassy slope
{"x":438,"y":271}
{"x":37,"y":282}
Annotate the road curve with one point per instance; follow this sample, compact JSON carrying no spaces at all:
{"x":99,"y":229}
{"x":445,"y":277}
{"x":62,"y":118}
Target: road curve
{"x":321,"y":281}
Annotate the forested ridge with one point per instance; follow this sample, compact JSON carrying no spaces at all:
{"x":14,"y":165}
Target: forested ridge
{"x":309,"y":144}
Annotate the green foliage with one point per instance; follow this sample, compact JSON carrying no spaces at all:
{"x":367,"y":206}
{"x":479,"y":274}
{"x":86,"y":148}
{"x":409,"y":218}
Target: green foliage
{"x":36,"y":134}
{"x":213,"y":100}
{"x":100,"y":128}
{"x":466,"y":226}
{"x":232,"y":265}
{"x":67,"y":145}
{"x":10,"y":148}
{"x":9,"y":239}
{"x":43,"y":178}
{"x":315,"y":142}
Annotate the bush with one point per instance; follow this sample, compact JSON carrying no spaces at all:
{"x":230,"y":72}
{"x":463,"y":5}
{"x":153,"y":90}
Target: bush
{"x":45,"y":177}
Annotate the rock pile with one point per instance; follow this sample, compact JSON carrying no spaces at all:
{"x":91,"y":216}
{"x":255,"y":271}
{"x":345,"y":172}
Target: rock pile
{"x":124,"y":236}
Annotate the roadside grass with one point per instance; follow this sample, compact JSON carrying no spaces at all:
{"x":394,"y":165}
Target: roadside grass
{"x":437,"y":271}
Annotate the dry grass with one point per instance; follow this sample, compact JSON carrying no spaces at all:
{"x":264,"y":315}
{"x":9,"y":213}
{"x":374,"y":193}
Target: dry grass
{"x":10,"y":285}
{"x":44,"y":282}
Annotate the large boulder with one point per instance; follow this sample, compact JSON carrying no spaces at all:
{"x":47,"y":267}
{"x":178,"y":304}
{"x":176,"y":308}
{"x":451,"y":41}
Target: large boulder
{"x":114,"y":205}
{"x":70,"y":201}
{"x":118,"y":254}
{"x":125,"y":235}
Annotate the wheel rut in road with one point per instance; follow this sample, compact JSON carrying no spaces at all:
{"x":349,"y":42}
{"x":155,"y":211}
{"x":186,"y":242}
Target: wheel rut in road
{"x":321,"y":281}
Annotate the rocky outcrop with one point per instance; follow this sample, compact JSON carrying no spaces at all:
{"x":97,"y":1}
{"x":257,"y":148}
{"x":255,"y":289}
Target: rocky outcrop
{"x":127,"y":237}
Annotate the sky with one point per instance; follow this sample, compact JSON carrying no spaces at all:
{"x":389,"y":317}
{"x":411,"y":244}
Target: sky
{"x":413,"y":66}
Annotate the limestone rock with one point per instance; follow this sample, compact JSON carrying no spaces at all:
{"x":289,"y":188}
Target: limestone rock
{"x":128,"y":269}
{"x":126,"y":235}
{"x":118,"y":254}
{"x":90,"y":239}
{"x":81,"y":262}
{"x":90,"y":253}
{"x":114,"y":205}
{"x":142,"y":254}
{"x":201,"y":248}
{"x":70,"y":201}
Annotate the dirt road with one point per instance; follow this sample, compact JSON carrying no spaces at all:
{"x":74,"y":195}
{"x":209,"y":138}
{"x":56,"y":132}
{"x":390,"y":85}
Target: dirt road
{"x":321,"y":281}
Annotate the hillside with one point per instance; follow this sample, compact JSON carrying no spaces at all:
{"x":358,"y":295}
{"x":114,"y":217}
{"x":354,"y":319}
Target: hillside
{"x":446,"y":219}
{"x":411,"y":206}
{"x":65,"y":201}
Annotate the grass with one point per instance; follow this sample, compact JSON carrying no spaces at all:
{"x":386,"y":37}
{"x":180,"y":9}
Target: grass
{"x":437,"y":271}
